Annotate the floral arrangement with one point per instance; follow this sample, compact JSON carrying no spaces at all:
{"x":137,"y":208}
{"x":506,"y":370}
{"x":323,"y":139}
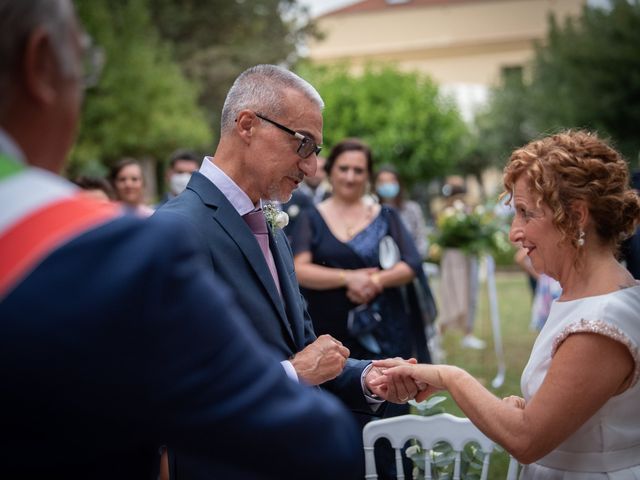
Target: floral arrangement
{"x":475,"y":230}
{"x":442,"y":455}
{"x":275,"y":218}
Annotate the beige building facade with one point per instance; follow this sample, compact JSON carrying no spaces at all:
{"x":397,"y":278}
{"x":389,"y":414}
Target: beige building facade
{"x":464,"y":45}
{"x":455,"y":41}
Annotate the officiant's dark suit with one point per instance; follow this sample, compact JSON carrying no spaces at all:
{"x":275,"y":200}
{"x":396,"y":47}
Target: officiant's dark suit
{"x":115,"y":337}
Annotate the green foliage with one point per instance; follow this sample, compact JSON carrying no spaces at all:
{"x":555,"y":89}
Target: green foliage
{"x":589,"y":74}
{"x":475,"y":231}
{"x":585,"y":75}
{"x":504,"y":124}
{"x":215,"y":40}
{"x":514,"y":302}
{"x":442,"y":456}
{"x":442,"y":460}
{"x":402,"y":116}
{"x":143,"y":105}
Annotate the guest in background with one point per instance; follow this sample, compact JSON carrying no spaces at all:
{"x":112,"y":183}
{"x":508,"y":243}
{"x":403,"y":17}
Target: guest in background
{"x":182,"y":163}
{"x":128,"y":182}
{"x":390,"y":192}
{"x":631,"y":246}
{"x":337,"y":260}
{"x":97,"y":187}
{"x":547,"y":290}
{"x":579,"y":415}
{"x":459,"y":280}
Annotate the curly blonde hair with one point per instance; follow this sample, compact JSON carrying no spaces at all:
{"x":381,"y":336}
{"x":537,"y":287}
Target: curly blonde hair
{"x":577,"y":166}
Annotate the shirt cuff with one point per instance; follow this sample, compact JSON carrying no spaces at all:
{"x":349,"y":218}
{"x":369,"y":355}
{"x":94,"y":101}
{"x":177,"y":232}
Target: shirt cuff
{"x":373,"y":400}
{"x":289,"y":370}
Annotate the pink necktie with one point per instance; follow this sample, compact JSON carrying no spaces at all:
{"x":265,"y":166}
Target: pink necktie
{"x":258,"y":225}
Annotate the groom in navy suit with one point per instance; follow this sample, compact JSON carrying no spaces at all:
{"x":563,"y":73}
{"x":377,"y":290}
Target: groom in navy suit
{"x":270,"y":131}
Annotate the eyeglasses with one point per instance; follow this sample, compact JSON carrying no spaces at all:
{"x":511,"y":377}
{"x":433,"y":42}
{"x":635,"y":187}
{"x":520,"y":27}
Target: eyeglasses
{"x":307,"y":145}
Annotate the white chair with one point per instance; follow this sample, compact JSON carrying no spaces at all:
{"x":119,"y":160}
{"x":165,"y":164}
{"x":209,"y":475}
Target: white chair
{"x":455,"y":431}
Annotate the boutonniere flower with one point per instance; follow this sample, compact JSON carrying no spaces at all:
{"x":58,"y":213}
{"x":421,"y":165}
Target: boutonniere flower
{"x":275,"y":218}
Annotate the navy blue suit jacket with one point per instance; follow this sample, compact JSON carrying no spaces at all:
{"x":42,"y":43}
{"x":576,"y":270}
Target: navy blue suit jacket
{"x":121,"y":341}
{"x":235,"y":256}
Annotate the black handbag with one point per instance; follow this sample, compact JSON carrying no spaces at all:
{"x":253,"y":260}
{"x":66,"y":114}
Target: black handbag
{"x":362,"y":321}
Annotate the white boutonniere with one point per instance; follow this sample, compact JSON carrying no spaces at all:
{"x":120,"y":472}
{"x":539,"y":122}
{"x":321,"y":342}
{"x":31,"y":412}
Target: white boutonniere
{"x":275,"y":218}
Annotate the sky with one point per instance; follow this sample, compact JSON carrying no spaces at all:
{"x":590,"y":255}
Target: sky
{"x":318,"y":7}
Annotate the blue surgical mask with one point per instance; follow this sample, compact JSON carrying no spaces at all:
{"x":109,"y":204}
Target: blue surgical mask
{"x":388,"y":190}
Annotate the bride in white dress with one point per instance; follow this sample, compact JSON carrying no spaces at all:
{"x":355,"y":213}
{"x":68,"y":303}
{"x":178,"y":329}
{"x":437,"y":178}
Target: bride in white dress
{"x":580,"y":415}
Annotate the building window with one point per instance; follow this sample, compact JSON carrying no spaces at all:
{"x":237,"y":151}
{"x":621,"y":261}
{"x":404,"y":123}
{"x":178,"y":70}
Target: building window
{"x":512,"y":73}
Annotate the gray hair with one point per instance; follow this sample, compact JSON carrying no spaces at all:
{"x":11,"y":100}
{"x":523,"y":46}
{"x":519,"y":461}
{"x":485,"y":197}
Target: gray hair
{"x":260,"y":88}
{"x":18,"y":19}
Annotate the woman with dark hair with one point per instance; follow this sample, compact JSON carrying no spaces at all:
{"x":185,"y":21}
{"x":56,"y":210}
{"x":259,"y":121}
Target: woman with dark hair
{"x":97,"y":187}
{"x":579,"y":415}
{"x":337,"y":258}
{"x":128,"y":183}
{"x":353,"y":292}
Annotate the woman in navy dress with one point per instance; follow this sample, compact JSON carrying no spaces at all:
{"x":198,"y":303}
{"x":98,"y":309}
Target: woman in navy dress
{"x":337,"y":258}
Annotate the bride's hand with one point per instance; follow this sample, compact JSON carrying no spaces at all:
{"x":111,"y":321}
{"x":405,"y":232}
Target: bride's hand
{"x":514,"y":401}
{"x":428,"y":378}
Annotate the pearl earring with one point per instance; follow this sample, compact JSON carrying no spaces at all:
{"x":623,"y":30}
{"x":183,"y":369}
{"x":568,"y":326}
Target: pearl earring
{"x":581,"y":238}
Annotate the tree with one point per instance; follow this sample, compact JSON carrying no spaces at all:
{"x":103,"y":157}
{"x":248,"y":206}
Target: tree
{"x":215,"y":40}
{"x":402,"y":116}
{"x":504,"y":124}
{"x":143,"y":106}
{"x":588,"y":74}
{"x":585,"y":75}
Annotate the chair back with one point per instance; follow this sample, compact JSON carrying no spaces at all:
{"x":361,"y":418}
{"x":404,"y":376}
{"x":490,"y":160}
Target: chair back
{"x":443,"y":427}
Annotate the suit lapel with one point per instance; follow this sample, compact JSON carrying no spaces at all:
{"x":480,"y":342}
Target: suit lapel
{"x":235,"y":227}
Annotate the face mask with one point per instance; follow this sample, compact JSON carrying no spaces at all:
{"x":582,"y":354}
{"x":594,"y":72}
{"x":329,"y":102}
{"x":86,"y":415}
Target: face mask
{"x":388,"y":190}
{"x":178,"y":182}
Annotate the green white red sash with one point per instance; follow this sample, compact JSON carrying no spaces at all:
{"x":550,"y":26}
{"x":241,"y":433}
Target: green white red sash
{"x":39,"y":212}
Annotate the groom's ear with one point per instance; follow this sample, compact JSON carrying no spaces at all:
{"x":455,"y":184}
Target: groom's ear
{"x":245,"y":125}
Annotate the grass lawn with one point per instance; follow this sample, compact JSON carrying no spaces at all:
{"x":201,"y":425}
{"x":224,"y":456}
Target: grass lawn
{"x":514,"y":300}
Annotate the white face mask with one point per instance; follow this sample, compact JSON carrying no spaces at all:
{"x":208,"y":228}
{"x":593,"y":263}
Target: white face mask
{"x":178,"y":182}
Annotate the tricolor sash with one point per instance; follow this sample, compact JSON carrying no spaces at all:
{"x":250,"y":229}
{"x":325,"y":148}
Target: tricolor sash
{"x":39,"y":212}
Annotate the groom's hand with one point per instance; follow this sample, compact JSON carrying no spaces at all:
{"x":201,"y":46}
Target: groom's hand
{"x":400,"y":390}
{"x":320,"y":361}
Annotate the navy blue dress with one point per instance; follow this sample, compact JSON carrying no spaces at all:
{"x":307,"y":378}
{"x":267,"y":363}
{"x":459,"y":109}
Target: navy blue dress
{"x":329,"y":309}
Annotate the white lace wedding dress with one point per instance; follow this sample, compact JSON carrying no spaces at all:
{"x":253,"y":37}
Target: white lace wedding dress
{"x":607,"y":446}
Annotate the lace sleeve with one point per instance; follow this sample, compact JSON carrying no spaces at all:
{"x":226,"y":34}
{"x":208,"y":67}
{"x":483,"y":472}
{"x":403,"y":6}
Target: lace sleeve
{"x":601,"y":328}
